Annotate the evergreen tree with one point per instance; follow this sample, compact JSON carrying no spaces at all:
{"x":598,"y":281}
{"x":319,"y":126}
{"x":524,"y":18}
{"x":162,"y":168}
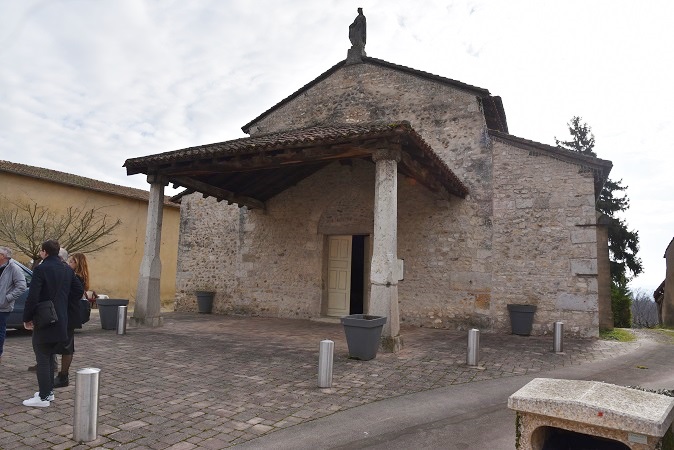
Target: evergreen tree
{"x":582,"y":139}
{"x":623,"y":243}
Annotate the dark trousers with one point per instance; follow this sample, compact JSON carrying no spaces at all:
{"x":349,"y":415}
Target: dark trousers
{"x":3,"y":329}
{"x":46,"y":359}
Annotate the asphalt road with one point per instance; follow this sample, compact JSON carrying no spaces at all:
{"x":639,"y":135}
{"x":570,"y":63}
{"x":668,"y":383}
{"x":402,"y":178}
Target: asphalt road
{"x":467,"y":416}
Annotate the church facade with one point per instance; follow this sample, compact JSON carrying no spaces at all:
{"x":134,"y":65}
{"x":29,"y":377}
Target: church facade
{"x":381,"y":189}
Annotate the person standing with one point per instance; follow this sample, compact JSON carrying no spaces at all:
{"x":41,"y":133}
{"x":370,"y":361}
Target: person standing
{"x":12,"y":285}
{"x":56,"y":282}
{"x":77,"y":262}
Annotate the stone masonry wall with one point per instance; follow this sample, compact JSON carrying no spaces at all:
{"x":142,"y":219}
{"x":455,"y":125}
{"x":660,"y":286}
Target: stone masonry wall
{"x":208,"y":252}
{"x":518,"y":237}
{"x":545,"y":241}
{"x":445,"y":244}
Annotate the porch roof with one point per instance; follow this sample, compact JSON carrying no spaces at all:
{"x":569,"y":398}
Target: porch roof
{"x":251,"y":170}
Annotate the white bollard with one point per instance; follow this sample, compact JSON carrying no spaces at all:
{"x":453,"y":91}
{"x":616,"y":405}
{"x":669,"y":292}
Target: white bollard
{"x":473,"y":347}
{"x":86,"y":405}
{"x":325,"y":357}
{"x":558,"y":338}
{"x":121,"y":320}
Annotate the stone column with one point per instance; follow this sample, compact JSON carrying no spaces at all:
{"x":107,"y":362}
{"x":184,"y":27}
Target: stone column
{"x":383,"y":270}
{"x":148,"y":301}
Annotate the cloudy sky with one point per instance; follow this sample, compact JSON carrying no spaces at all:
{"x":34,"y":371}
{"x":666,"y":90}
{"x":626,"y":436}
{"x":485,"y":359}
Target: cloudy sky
{"x":86,"y":84}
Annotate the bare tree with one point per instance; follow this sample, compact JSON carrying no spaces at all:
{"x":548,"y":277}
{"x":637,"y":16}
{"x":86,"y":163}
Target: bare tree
{"x":26,"y":225}
{"x":644,"y":310}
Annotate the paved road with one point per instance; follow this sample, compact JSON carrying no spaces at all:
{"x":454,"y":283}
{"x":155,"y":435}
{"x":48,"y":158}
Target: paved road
{"x":466,"y":416}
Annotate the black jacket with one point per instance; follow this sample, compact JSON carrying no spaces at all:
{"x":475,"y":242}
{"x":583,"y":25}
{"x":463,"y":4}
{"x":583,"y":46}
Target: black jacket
{"x":56,"y":281}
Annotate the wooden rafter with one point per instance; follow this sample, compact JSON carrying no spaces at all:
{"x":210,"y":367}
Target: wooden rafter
{"x":218,"y":193}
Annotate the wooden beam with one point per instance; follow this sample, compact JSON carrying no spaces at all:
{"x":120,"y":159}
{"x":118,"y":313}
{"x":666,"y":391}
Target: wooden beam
{"x":421,"y":173}
{"x":249,"y":163}
{"x":218,"y":193}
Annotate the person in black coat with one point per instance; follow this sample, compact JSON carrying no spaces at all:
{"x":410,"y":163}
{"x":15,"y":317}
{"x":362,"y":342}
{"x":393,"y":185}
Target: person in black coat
{"x":55,"y":281}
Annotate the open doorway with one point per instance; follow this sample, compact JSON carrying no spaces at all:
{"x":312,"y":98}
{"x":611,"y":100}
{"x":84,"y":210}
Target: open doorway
{"x":348,"y":272}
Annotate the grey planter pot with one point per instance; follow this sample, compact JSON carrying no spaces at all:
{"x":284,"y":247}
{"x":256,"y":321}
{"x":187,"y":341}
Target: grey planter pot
{"x":521,"y":318}
{"x":363,"y":334}
{"x":107,"y":309}
{"x":205,"y":301}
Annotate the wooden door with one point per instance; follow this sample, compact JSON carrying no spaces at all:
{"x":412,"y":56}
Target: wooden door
{"x":339,"y":275}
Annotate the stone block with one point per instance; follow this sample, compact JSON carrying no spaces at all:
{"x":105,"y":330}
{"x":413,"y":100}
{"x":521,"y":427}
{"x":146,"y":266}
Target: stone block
{"x":576,"y":302}
{"x":635,"y":418}
{"x":584,"y":266}
{"x":582,"y":235}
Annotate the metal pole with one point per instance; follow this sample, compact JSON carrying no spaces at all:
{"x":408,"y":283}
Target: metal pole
{"x":473,"y":347}
{"x":86,"y":405}
{"x":121,"y":320}
{"x":558,"y":337}
{"x":325,"y":352}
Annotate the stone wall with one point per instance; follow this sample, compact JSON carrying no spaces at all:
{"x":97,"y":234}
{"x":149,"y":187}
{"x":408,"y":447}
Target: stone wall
{"x":668,"y":301}
{"x":209,"y":255}
{"x":521,"y":236}
{"x":545,"y":241}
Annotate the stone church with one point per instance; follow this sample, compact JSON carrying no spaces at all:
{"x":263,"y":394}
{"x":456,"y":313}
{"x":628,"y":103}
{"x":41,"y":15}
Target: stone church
{"x":381,"y":189}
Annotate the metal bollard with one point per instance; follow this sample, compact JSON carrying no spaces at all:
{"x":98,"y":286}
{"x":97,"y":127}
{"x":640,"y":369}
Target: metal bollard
{"x":558,"y":338}
{"x":121,"y":320}
{"x":325,"y":352}
{"x":473,"y":347}
{"x":86,"y":405}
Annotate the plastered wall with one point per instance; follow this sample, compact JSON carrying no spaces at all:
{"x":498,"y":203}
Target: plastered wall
{"x":114,"y":269}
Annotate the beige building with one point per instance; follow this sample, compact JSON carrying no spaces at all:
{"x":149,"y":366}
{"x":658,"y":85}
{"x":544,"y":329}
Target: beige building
{"x":113,"y":270}
{"x":381,"y":189}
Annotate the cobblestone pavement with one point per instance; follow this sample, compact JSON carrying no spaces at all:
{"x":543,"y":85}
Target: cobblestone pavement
{"x":211,"y":381}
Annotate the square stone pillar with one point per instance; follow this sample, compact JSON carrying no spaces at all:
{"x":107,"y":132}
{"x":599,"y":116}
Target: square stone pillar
{"x":383,"y":269}
{"x":148,"y":300}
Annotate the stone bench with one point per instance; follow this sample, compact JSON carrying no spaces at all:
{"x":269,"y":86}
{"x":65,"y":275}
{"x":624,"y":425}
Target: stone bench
{"x":561,"y":414}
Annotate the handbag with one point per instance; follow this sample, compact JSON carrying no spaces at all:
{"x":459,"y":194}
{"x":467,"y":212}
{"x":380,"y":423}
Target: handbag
{"x":44,"y":315}
{"x":45,"y":312}
{"x":85,"y":311}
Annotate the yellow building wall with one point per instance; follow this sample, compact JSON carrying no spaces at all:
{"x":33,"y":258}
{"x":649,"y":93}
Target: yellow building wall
{"x":114,"y":269}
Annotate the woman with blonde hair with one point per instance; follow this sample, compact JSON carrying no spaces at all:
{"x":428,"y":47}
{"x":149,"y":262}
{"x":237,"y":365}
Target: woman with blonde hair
{"x":77,"y":262}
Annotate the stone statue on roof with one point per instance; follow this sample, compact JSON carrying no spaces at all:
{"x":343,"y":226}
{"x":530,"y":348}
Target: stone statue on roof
{"x":357,"y":36}
{"x":357,"y":32}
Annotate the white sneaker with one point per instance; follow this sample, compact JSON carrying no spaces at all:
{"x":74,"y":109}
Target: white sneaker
{"x":49,"y":398}
{"x":36,"y":401}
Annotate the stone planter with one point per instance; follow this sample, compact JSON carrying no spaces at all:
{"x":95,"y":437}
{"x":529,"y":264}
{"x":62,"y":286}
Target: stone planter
{"x":521,"y":318}
{"x":363,"y":335}
{"x":107,"y":309}
{"x":205,"y":301}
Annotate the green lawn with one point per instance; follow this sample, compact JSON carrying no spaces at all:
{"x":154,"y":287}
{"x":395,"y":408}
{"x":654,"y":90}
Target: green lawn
{"x":617,"y":334}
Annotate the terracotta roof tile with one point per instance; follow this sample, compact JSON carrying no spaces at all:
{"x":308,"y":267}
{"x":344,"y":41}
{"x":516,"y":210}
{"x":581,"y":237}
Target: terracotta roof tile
{"x":300,"y":138}
{"x":77,"y":181}
{"x":270,"y":141}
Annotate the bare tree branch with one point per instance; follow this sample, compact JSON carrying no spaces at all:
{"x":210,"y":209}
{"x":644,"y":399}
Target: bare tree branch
{"x":26,"y":225}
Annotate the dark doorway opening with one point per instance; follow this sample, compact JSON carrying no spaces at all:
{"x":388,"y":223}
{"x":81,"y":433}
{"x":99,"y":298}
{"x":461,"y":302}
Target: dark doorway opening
{"x":357,"y":274}
{"x":559,"y":439}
